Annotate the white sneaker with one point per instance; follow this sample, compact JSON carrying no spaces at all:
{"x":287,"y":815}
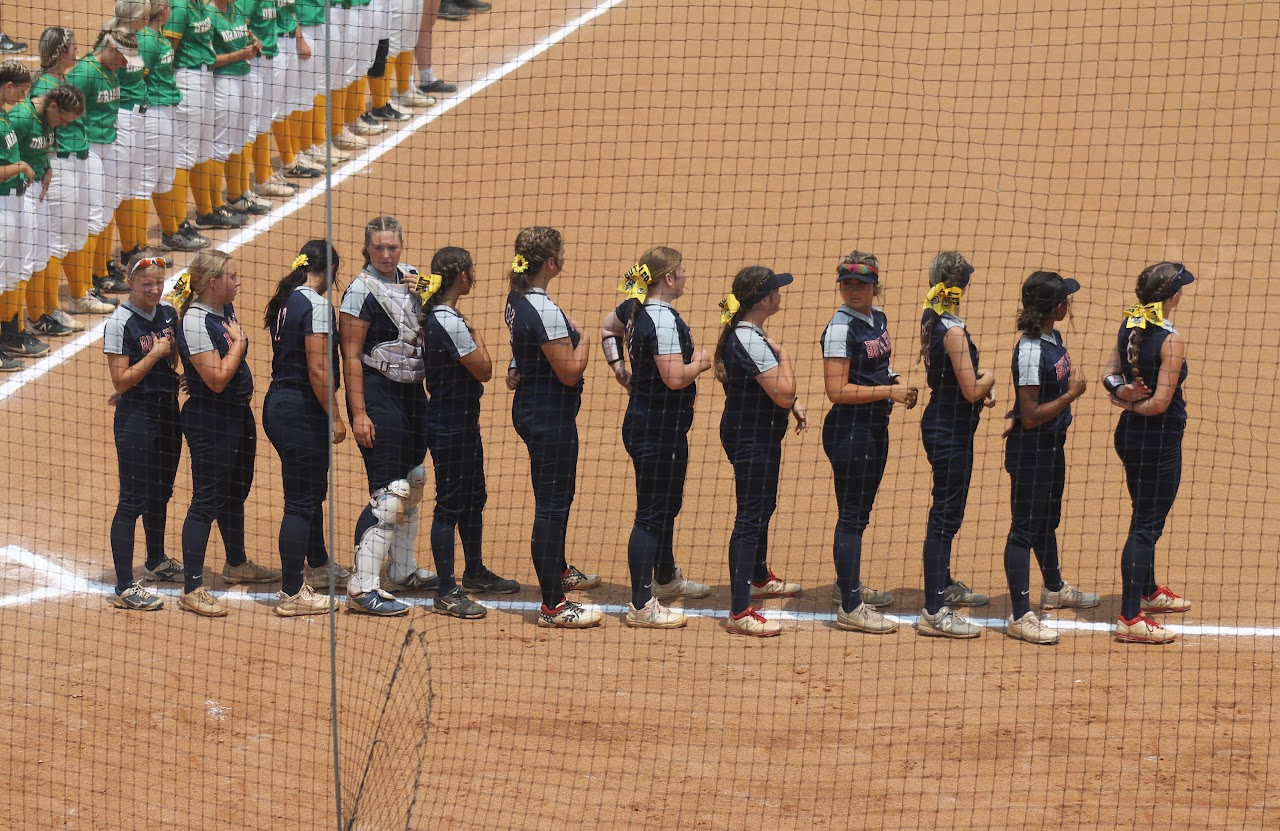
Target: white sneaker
{"x":864,"y":618}
{"x":774,"y":586}
{"x":753,"y":624}
{"x":304,"y":161}
{"x":335,"y":153}
{"x":348,"y":140}
{"x":89,"y":305}
{"x":680,"y":587}
{"x":305,"y":602}
{"x":653,"y":615}
{"x":318,"y":578}
{"x":414,"y":99}
{"x":67,"y":320}
{"x":1029,"y":628}
{"x":367,"y":127}
{"x":570,"y":615}
{"x":275,"y":187}
{"x":946,"y":624}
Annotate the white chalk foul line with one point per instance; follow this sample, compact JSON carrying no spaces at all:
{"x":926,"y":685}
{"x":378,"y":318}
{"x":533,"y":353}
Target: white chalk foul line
{"x":336,"y":177}
{"x":61,"y":583}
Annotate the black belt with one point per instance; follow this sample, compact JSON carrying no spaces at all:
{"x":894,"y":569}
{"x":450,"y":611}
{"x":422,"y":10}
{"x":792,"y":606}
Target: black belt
{"x":137,"y":108}
{"x":14,"y":190}
{"x":79,"y":154}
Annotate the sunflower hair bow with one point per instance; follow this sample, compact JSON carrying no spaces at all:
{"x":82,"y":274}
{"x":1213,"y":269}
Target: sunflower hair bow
{"x":729,"y":306}
{"x":942,"y":299}
{"x":428,"y":285}
{"x":520,"y":265}
{"x":181,"y":290}
{"x":635,"y":283}
{"x":300,"y":261}
{"x":1139,"y":315}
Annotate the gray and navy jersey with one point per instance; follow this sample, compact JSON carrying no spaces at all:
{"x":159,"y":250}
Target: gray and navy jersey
{"x":862,"y":340}
{"x":1042,"y":362}
{"x":747,"y":407}
{"x":1148,"y":366}
{"x":946,"y":398}
{"x":455,"y":392}
{"x":204,"y":329}
{"x":305,"y":313}
{"x":533,"y":320}
{"x":657,"y":330}
{"x":131,"y":331}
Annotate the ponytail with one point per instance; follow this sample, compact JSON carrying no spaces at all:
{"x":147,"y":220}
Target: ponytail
{"x":450,"y":263}
{"x":1153,"y":284}
{"x":746,"y":283}
{"x":534,"y":247}
{"x":316,"y":257}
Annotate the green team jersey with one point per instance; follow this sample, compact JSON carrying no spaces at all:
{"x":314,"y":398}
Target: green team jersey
{"x":230,"y":34}
{"x":71,"y":138}
{"x":310,"y":13}
{"x":262,"y":15}
{"x":286,"y":18}
{"x":9,"y":153}
{"x":189,"y":21}
{"x":35,"y":138}
{"x":157,"y":54}
{"x":133,"y":87}
{"x":101,"y":90}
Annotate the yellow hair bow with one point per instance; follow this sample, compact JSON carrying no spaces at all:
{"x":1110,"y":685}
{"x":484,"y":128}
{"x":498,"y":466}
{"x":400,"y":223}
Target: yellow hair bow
{"x":300,"y":261}
{"x":427,"y":285}
{"x":1139,"y":315}
{"x":942,"y":299}
{"x":181,"y":290}
{"x":635,"y":283}
{"x":729,"y":306}
{"x":519,"y":265}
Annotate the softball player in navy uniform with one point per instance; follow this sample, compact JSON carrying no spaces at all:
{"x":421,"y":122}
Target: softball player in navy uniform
{"x":959,"y":390}
{"x":862,"y":387}
{"x":663,"y":386}
{"x":380,"y":327}
{"x":1144,"y":377}
{"x":549,"y":356}
{"x":1045,"y":382}
{"x":296,"y":416}
{"x":139,"y":342}
{"x":760,"y":392}
{"x":457,"y":366}
{"x":219,"y":425}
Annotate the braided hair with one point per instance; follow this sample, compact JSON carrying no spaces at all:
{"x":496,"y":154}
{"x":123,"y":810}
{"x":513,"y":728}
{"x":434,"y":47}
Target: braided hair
{"x":951,"y":268}
{"x":55,"y":42}
{"x":661,"y":261}
{"x":14,"y":72}
{"x":1154,"y":283}
{"x":747,"y":284}
{"x":1038,"y":294}
{"x":205,"y":267}
{"x":66,"y":98}
{"x":322,"y":258}
{"x":536,"y":245}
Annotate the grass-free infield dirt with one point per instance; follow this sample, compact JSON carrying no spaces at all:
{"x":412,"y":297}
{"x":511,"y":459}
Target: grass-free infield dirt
{"x":1084,"y":139}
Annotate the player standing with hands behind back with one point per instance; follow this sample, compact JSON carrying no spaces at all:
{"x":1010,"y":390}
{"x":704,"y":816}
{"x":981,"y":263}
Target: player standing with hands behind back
{"x":959,"y":390}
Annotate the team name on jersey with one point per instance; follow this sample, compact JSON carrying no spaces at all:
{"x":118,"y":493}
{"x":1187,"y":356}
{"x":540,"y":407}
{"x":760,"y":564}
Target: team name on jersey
{"x":166,"y":58}
{"x":267,"y":13}
{"x":509,"y":316}
{"x":202,"y":27}
{"x":234,"y":33}
{"x":880,"y":346}
{"x":10,"y":140}
{"x":1063,"y":367}
{"x":41,"y":142}
{"x":108,"y":96}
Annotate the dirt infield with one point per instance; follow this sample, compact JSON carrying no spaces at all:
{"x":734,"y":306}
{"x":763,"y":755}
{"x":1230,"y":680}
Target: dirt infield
{"x":1088,"y":140}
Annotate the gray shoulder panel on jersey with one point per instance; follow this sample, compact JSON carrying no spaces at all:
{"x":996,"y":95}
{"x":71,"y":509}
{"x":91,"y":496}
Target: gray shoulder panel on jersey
{"x":950,"y":321}
{"x":664,"y":324}
{"x":195,"y":332}
{"x":757,"y":349}
{"x":113,"y":333}
{"x":321,"y":312}
{"x":1028,"y":362}
{"x":353,"y":299}
{"x":835,"y":341}
{"x":456,"y":328}
{"x":553,"y":320}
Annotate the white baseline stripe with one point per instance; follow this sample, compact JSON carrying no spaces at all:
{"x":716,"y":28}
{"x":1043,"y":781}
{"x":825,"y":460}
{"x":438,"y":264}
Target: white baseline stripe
{"x":357,"y":165}
{"x":67,"y":583}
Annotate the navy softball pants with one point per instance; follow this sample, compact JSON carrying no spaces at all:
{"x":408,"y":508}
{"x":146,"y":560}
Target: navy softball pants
{"x":399,"y":415}
{"x":948,"y":443}
{"x":222,"y":438}
{"x":757,"y":461}
{"x":148,"y":447}
{"x":552,"y":441}
{"x":1037,"y":466}
{"x":661,"y":461}
{"x":1152,"y":461}
{"x":461,"y":494}
{"x":858,"y":451}
{"x":299,"y":431}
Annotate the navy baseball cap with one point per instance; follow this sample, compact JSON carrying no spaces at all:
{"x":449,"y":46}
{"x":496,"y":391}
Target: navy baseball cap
{"x":1045,"y":290}
{"x":1182,"y":278}
{"x":775,"y":282}
{"x":861,"y":272}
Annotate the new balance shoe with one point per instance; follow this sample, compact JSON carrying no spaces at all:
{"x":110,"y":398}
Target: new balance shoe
{"x":318,"y":578}
{"x":348,"y":140}
{"x":90,"y":304}
{"x":251,"y":203}
{"x":111,"y":284}
{"x":188,"y":230}
{"x":438,"y":87}
{"x":774,"y":586}
{"x":48,"y":326}
{"x":249,"y":572}
{"x":423,"y":579}
{"x":456,"y":604}
{"x":574,"y":580}
{"x":367,"y":125}
{"x":220,"y":218}
{"x":752,"y":624}
{"x":653,"y":615}
{"x":388,"y":113}
{"x":137,"y":598}
{"x":67,"y":320}
{"x":488,"y":582}
{"x":958,"y":594}
{"x":570,"y":615}
{"x":680,"y":587}
{"x":1142,"y":629}
{"x":318,"y":154}
{"x":181,"y":242}
{"x":304,"y":167}
{"x":167,"y":570}
{"x":872,"y":597}
{"x":275,"y":187}
{"x":946,"y":624}
{"x":1068,"y":597}
{"x":202,"y":603}
{"x":8,"y":363}
{"x":1163,"y":602}
{"x":376,"y":602}
{"x":9,"y":46}
{"x":864,"y":618}
{"x":415,"y":99}
{"x":1029,"y":628}
{"x":305,"y":602}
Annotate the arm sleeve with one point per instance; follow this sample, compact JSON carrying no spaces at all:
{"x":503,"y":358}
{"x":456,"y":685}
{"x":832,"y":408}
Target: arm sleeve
{"x":758,"y":352}
{"x":459,"y":336}
{"x":196,"y":333}
{"x":664,"y":325}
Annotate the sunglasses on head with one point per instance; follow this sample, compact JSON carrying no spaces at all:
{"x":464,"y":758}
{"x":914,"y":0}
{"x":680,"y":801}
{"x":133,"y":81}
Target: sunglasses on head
{"x":148,"y":262}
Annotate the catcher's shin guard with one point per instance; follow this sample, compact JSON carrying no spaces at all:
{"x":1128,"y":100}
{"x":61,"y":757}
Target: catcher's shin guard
{"x":404,"y":558}
{"x":376,"y":544}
